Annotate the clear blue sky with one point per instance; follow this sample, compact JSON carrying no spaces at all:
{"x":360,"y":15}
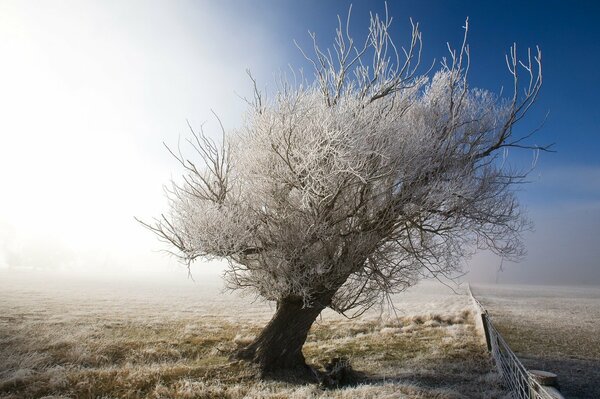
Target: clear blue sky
{"x":92,"y":88}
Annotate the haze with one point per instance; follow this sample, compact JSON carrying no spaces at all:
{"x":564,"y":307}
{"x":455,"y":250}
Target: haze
{"x":90,"y":90}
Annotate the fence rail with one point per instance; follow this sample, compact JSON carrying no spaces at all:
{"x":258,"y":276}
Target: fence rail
{"x":516,"y":377}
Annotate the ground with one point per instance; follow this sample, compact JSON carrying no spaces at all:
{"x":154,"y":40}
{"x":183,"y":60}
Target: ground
{"x":99,"y":338}
{"x":551,"y":328}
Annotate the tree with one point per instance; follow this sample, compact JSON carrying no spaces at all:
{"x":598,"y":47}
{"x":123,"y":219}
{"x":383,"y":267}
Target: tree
{"x":340,"y":192}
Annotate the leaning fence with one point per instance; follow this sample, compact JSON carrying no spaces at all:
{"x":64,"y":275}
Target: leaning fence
{"x":516,"y":377}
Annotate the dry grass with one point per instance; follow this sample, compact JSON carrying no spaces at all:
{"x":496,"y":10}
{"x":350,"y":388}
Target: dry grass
{"x":91,"y":346}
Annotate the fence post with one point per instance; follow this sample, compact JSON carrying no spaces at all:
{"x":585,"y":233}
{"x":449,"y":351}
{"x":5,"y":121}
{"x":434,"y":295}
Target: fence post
{"x":486,"y":330}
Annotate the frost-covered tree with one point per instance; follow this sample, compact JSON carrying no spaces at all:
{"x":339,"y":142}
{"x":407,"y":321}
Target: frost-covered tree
{"x":340,"y":192}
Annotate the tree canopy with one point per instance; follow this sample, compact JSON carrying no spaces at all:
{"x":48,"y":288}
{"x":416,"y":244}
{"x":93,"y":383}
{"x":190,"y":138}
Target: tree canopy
{"x":340,"y":191}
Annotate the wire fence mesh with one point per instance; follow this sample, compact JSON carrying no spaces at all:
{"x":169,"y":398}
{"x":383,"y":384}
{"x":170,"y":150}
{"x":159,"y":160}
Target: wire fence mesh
{"x":515,"y":376}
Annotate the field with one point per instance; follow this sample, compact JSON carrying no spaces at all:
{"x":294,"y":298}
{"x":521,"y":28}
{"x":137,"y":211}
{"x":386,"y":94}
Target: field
{"x":84,"y":337}
{"x":552,"y":328}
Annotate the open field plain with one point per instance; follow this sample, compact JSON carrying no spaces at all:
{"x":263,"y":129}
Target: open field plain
{"x":552,"y":328}
{"x":82,"y":337}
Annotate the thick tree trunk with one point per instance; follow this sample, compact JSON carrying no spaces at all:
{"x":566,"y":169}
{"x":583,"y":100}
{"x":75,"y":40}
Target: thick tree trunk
{"x":278,"y":348}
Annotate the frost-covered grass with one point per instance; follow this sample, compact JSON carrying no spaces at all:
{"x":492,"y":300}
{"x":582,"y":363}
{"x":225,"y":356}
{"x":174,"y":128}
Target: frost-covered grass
{"x":552,"y":328}
{"x":548,"y":320}
{"x":87,"y":339}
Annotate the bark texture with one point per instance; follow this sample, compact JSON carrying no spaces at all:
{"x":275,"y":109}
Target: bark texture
{"x":278,"y":348}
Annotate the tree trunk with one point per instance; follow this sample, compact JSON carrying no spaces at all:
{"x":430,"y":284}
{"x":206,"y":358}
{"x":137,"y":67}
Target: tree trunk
{"x":278,"y":348}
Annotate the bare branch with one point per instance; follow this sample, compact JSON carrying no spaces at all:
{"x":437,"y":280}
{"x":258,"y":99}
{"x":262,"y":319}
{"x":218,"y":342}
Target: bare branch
{"x":343,"y":192}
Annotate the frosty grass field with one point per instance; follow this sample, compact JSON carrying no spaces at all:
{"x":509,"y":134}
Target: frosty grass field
{"x":552,"y":328}
{"x":96,"y":338}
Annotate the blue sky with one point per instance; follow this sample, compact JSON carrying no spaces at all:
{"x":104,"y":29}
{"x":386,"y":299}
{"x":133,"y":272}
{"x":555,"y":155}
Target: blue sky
{"x":92,"y":88}
{"x":567,"y":33}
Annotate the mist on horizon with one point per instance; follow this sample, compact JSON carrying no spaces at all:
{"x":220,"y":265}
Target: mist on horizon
{"x":92,"y":90}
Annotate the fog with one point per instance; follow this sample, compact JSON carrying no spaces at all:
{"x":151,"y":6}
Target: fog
{"x":90,"y":90}
{"x":89,"y":93}
{"x":563,"y":247}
